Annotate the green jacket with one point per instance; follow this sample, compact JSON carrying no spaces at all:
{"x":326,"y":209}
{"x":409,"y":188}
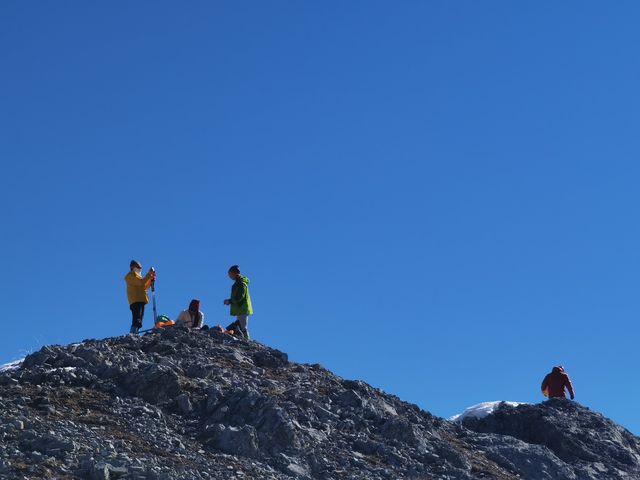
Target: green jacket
{"x":240,"y":298}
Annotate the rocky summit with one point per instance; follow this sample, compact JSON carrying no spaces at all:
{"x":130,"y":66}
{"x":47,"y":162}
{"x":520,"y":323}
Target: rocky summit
{"x":204,"y":405}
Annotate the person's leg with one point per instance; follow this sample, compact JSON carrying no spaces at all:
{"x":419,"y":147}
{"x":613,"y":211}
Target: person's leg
{"x":137,"y":312}
{"x":243,"y":321}
{"x":133,"y":309}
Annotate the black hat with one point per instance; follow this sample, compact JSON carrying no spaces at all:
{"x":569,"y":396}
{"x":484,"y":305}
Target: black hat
{"x":135,"y":263}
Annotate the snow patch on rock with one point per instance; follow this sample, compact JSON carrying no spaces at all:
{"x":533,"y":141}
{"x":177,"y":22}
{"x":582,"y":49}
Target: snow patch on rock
{"x":483,"y":409}
{"x":11,"y":365}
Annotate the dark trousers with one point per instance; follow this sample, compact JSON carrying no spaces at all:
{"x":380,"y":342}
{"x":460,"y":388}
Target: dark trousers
{"x":137,"y":312}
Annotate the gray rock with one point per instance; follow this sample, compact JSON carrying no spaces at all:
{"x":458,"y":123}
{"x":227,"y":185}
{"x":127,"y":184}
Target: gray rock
{"x":183,"y":403}
{"x":572,"y":432}
{"x":99,"y":472}
{"x":17,"y":424}
{"x":533,"y":462}
{"x":270,"y":358}
{"x":106,"y":471}
{"x":154,"y":383}
{"x":233,"y":440}
{"x":198,"y":405}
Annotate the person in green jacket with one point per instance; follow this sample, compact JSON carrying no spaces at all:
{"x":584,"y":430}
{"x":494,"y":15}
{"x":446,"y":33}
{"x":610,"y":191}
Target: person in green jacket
{"x":240,"y":302}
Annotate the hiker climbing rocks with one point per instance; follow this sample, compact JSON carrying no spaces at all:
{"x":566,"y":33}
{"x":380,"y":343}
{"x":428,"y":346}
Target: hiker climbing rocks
{"x":555,"y":382}
{"x":240,"y":302}
{"x":192,"y":317}
{"x":137,"y":287}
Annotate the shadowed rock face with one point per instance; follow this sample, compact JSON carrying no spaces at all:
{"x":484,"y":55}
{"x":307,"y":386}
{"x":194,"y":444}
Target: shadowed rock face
{"x":594,"y":446}
{"x":195,"y":405}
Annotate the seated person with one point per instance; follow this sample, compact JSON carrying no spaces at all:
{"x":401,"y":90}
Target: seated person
{"x":191,"y":317}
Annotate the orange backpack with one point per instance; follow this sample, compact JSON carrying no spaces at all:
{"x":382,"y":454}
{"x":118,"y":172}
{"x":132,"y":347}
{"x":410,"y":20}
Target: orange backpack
{"x":163,"y":321}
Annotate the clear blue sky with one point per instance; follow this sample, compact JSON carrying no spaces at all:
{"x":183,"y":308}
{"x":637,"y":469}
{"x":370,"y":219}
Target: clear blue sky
{"x":439,"y":198}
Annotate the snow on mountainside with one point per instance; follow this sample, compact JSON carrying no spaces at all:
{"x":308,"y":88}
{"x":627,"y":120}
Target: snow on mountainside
{"x":481,"y":410}
{"x":11,"y":365}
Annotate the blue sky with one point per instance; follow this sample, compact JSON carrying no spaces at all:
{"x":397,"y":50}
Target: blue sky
{"x":436,"y":197}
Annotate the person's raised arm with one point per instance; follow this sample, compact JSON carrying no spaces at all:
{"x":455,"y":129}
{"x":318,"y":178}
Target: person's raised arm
{"x":149,"y":278}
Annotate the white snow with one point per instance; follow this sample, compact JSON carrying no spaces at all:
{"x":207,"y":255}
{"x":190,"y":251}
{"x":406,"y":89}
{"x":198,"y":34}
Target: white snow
{"x":11,"y":365}
{"x":481,"y":410}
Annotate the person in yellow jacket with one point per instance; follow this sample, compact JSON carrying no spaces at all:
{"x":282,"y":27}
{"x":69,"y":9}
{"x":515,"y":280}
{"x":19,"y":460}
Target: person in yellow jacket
{"x":137,"y":287}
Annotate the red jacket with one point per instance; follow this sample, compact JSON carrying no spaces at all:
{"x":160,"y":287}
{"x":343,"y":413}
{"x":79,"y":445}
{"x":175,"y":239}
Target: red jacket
{"x":555,"y":382}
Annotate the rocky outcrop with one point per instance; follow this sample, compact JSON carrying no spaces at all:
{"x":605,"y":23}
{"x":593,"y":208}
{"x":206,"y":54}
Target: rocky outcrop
{"x":196,"y":405}
{"x":590,"y":445}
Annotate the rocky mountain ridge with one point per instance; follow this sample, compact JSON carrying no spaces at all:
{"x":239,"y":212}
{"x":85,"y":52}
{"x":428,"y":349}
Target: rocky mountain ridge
{"x":184,"y":404}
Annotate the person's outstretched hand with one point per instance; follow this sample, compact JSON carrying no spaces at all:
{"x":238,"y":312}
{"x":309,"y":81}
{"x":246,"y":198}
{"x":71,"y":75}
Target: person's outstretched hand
{"x":227,"y":302}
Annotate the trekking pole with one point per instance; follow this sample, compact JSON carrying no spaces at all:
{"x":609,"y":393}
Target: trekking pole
{"x":153,"y":296}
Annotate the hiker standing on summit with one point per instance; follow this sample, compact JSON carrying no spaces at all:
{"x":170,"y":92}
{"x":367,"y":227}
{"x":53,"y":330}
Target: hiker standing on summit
{"x":555,"y":382}
{"x":240,"y":301}
{"x":137,"y":287}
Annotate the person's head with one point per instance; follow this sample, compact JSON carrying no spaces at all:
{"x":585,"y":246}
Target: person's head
{"x":557,"y":369}
{"x":194,"y":306}
{"x":135,"y":266}
{"x":234,"y":272}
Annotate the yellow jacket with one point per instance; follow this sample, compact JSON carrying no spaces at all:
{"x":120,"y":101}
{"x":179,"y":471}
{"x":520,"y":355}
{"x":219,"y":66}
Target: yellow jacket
{"x":137,"y":287}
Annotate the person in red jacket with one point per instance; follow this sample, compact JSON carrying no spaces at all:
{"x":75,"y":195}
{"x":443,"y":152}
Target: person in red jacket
{"x":555,"y":382}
